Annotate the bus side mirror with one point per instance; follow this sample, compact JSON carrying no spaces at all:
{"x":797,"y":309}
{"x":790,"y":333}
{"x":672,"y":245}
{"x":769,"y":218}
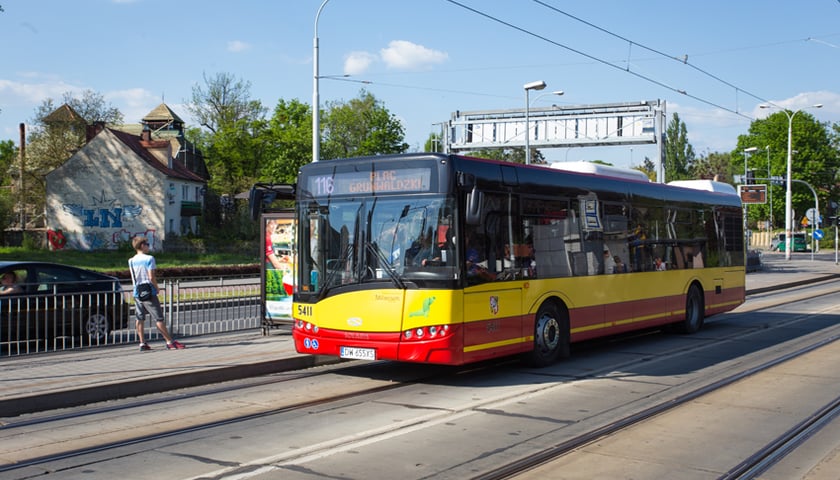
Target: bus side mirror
{"x":255,"y":200}
{"x":473,"y":213}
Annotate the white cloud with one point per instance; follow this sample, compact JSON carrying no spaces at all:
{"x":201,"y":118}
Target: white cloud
{"x":356,"y":63}
{"x":34,"y":93}
{"x":134,"y":103}
{"x":405,"y":55}
{"x":804,"y":101}
{"x":237,"y":46}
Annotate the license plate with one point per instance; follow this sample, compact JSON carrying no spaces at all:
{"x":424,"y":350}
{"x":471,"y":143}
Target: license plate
{"x":356,"y":353}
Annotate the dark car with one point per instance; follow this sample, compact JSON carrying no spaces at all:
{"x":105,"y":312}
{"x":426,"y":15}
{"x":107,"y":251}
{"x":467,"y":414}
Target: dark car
{"x":60,"y":302}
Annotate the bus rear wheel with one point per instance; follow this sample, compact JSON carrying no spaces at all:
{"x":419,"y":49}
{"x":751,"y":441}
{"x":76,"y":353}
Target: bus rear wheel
{"x":694,"y":311}
{"x":551,"y":336}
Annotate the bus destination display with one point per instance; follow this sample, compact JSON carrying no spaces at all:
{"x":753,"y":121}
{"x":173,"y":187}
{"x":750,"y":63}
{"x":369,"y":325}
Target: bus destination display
{"x":381,"y":181}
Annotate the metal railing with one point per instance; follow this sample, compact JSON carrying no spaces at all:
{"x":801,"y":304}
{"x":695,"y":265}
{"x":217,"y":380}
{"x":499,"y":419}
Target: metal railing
{"x":52,"y":321}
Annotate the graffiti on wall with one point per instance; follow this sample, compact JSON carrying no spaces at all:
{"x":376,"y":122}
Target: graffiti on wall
{"x":105,"y":225}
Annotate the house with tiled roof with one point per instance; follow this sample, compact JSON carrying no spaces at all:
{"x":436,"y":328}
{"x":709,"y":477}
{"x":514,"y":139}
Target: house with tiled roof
{"x":124,"y":182}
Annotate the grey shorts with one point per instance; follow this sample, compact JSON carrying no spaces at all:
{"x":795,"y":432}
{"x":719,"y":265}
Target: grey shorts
{"x":151,"y":306}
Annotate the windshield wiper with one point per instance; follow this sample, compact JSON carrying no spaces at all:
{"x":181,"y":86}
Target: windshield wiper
{"x":383,"y":261}
{"x":331,"y":274}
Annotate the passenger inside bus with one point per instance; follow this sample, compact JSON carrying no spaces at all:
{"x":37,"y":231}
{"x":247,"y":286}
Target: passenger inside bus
{"x":619,"y":266}
{"x":659,"y":265}
{"x":609,"y":263}
{"x":476,"y":267}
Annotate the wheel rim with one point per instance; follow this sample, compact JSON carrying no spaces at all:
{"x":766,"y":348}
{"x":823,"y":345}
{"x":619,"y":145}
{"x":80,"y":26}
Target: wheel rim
{"x":97,"y":326}
{"x":548,"y":333}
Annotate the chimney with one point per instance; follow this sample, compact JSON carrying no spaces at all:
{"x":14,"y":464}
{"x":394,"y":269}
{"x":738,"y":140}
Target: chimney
{"x":146,"y":136}
{"x":93,"y":130}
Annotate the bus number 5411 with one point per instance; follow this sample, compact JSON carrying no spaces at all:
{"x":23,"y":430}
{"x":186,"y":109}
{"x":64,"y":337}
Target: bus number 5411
{"x":304,"y":310}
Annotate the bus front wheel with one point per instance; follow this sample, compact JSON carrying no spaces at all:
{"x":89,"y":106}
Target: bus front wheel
{"x":551,"y":336}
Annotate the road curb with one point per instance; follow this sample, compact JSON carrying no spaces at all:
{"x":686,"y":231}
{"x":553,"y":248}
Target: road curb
{"x":114,"y":391}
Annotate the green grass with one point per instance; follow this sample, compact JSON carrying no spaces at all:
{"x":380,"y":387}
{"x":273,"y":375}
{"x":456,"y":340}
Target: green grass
{"x":111,"y":260}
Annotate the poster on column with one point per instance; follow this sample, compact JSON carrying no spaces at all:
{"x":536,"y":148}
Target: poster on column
{"x":279,"y":266}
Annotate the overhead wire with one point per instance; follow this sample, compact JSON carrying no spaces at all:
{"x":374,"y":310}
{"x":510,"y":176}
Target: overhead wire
{"x":599,"y":60}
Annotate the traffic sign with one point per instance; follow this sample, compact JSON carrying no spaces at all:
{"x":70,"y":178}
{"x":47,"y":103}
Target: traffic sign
{"x":818,"y":234}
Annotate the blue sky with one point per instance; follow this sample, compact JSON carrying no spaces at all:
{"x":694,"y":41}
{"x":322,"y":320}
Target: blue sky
{"x":427,"y":59}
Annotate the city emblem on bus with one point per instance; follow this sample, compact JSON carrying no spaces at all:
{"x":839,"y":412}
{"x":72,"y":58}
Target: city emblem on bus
{"x":494,"y":304}
{"x":354,"y":322}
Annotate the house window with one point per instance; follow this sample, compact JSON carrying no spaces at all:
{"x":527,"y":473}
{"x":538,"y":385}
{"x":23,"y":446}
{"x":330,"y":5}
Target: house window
{"x":185,"y":192}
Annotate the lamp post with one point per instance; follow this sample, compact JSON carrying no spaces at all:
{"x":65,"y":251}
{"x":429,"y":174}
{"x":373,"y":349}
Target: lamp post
{"x":744,"y":182}
{"x":769,"y":189}
{"x":538,"y":85}
{"x":788,"y":201}
{"x":316,"y":102}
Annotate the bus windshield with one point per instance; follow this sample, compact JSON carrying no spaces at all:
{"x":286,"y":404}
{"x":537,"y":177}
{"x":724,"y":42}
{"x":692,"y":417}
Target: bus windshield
{"x":396,"y":239}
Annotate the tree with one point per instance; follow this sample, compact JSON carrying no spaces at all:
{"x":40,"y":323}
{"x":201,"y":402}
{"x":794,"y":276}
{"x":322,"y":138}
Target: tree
{"x":648,"y":168}
{"x":434,"y":143}
{"x":223,"y":102}
{"x":234,"y":143}
{"x":8,"y":161}
{"x":290,"y":133}
{"x":714,"y":165}
{"x":8,"y":172}
{"x":679,"y":154}
{"x":814,"y":161}
{"x":362,"y":126}
{"x":57,"y":132}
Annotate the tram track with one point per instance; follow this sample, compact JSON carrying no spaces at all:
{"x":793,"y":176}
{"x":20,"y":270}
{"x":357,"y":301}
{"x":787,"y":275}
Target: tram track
{"x":125,"y":408}
{"x":781,"y":446}
{"x":750,"y":468}
{"x":375,"y":435}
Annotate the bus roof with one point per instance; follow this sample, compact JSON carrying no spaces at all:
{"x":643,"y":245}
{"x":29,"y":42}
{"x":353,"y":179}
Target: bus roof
{"x":599,"y":169}
{"x":707,"y":185}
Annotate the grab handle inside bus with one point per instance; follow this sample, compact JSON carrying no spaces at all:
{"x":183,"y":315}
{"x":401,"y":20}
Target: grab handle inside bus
{"x":473,"y":214}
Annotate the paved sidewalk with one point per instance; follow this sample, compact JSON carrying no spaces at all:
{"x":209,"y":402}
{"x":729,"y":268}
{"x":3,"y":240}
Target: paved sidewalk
{"x":62,"y":379}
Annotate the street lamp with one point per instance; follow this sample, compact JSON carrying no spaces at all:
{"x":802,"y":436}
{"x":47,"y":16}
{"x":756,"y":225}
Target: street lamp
{"x":316,"y":102}
{"x":744,"y":182}
{"x":788,"y":206}
{"x":769,"y":189}
{"x":538,"y":85}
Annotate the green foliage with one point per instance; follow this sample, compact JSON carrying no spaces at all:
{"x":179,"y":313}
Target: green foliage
{"x":29,"y":242}
{"x":290,"y":131}
{"x":434,"y":143}
{"x":815,"y":160}
{"x":713,"y":165}
{"x":360,"y":127}
{"x":648,"y":168}
{"x":7,"y":211}
{"x":9,"y":165}
{"x":679,"y":154}
{"x":223,"y":101}
{"x":51,"y":142}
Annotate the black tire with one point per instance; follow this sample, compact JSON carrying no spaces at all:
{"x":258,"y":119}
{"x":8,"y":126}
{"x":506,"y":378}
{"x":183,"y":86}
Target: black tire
{"x":551,"y":336}
{"x":96,"y":327}
{"x":694,"y":311}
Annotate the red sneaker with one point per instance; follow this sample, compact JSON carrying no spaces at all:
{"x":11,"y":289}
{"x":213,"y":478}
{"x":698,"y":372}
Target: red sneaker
{"x":176,"y":345}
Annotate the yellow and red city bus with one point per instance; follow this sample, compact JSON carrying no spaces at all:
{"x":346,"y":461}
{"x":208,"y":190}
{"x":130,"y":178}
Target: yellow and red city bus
{"x":449,"y":259}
